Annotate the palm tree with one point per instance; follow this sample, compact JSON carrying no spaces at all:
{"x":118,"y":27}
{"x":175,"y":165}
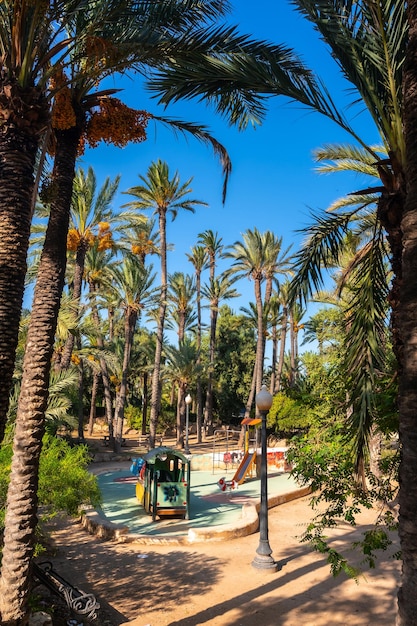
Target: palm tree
{"x":350,"y":236}
{"x":283,"y":299}
{"x":25,"y":76}
{"x":164,"y":195}
{"x":213,"y":247}
{"x":407,"y":604}
{"x":296,"y":315}
{"x":91,"y":218}
{"x":220,"y":288}
{"x":139,"y":236}
{"x":277,"y":262}
{"x":181,"y":293}
{"x":97,"y":270}
{"x":273,"y":320}
{"x":256,"y":258}
{"x":26,"y":33}
{"x":198,"y":258}
{"x":181,"y":367}
{"x":142,"y":364}
{"x":132,"y":291}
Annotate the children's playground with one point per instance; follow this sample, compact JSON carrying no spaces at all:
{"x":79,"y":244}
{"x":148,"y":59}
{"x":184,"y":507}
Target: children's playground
{"x":211,"y":494}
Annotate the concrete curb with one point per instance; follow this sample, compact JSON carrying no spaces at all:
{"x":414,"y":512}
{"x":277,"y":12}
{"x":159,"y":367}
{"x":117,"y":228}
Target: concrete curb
{"x":97,"y":525}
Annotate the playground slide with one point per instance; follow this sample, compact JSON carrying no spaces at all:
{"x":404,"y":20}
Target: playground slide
{"x":244,"y":467}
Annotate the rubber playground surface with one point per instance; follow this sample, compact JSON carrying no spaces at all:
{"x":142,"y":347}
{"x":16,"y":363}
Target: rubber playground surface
{"x":209,"y":505}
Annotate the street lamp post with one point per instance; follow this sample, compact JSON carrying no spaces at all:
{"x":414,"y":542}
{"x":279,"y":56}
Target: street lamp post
{"x":263,"y":559}
{"x":188,"y":400}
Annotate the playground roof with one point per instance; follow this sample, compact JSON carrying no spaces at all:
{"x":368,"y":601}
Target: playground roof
{"x":161,"y":451}
{"x":249,"y":421}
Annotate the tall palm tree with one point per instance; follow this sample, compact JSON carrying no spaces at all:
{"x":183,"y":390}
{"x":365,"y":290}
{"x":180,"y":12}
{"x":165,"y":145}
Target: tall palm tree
{"x":274,"y":318}
{"x":349,"y":241}
{"x":139,"y":237}
{"x":407,"y":602}
{"x":97,"y":270}
{"x":164,"y":195}
{"x":198,"y":258}
{"x":213,"y":247}
{"x":181,"y":292}
{"x":220,"y":288}
{"x":249,"y":261}
{"x":90,"y":221}
{"x":26,"y":33}
{"x":181,"y":367}
{"x":283,"y":299}
{"x":296,"y":315}
{"x":277,"y":263}
{"x":132,"y":291}
{"x":254,"y":258}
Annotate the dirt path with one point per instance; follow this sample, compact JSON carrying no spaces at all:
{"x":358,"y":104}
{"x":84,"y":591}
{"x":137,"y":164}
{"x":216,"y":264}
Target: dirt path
{"x":214,"y":584}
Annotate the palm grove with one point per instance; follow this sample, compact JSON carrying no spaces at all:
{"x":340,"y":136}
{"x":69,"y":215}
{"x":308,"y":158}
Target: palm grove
{"x":54,"y":56}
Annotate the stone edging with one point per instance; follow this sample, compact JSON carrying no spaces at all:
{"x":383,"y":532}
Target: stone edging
{"x":97,"y":525}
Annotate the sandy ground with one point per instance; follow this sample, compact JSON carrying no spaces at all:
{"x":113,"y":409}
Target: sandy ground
{"x":215,"y":584}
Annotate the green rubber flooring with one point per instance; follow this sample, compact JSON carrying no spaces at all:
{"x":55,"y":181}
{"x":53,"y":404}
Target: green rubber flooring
{"x":209,"y":506}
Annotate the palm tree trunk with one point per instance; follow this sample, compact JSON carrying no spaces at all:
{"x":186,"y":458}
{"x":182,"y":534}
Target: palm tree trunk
{"x":208,"y":413}
{"x":282,"y":348}
{"x":130,"y":323}
{"x":77,"y":288}
{"x":22,"y":502}
{"x":17,"y":163}
{"x":293,"y":349}
{"x":199,"y":392}
{"x":407,"y":397}
{"x":156,"y":386}
{"x":92,"y":416}
{"x":252,"y":391}
{"x":81,"y":401}
{"x":180,"y":416}
{"x":144,"y":403}
{"x":108,"y":400}
{"x":274,"y":360}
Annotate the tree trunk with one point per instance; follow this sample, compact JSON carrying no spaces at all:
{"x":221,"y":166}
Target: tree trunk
{"x":293,"y":351}
{"x":274,"y":360}
{"x":199,"y":391}
{"x":92,"y":416}
{"x":81,"y":401}
{"x":17,"y":161}
{"x":180,"y":415}
{"x":208,"y":413}
{"x":156,"y":387}
{"x":108,"y":400}
{"x":21,"y":512}
{"x":130,"y":323}
{"x":252,"y":391}
{"x":407,"y":596}
{"x":77,"y":288}
{"x":282,"y":348}
{"x":145,"y":403}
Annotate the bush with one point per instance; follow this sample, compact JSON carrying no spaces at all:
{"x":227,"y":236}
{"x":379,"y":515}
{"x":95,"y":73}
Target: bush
{"x":64,"y":481}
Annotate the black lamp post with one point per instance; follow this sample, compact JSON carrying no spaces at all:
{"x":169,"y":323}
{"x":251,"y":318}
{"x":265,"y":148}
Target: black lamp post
{"x":188,"y":400}
{"x":263,"y":559}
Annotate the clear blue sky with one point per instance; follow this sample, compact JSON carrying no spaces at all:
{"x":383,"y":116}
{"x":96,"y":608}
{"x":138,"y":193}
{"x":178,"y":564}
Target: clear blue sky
{"x":273,"y":183}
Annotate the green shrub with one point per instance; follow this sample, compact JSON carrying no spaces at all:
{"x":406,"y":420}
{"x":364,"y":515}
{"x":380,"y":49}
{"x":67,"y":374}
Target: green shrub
{"x":133,"y":416}
{"x":64,"y":481}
